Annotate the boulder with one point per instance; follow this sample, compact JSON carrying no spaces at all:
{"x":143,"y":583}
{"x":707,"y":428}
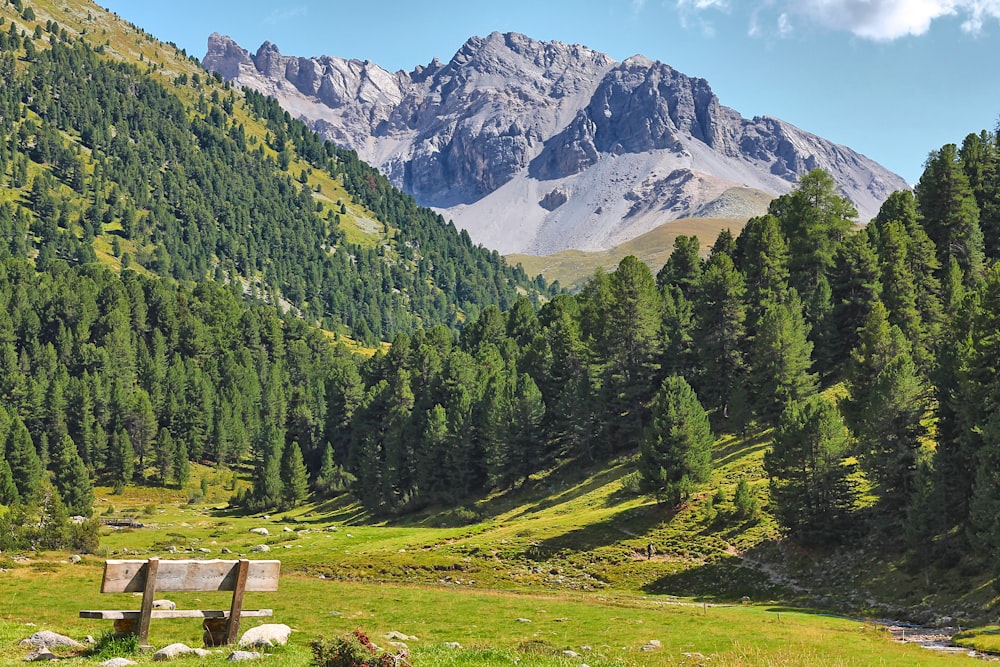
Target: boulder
{"x":399,"y":636}
{"x":177,"y":651}
{"x":117,"y":662}
{"x":260,"y":531}
{"x":269,"y":634}
{"x":452,"y":645}
{"x":260,"y":548}
{"x":40,"y":655}
{"x":75,"y":559}
{"x":49,"y":639}
{"x":236,"y":656}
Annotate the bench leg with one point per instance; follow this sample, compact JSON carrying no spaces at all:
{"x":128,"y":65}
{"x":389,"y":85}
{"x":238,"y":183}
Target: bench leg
{"x":125,"y":627}
{"x":215,"y":631}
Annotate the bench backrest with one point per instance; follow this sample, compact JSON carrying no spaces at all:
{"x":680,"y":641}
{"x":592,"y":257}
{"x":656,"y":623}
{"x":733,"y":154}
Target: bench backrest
{"x":129,"y":576}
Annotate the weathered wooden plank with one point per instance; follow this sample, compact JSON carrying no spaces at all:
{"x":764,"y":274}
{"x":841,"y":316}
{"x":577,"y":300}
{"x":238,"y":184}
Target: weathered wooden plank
{"x":115,"y":614}
{"x":149,"y":592}
{"x":233,"y":626}
{"x":129,"y":576}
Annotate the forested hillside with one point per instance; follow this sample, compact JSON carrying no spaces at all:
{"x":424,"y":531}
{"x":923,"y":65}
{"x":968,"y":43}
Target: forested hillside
{"x":162,"y":267}
{"x":185,"y":177}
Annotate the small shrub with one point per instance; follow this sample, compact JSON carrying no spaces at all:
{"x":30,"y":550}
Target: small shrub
{"x":632,"y":483}
{"x":354,"y":650}
{"x":110,"y":645}
{"x":745,"y":500}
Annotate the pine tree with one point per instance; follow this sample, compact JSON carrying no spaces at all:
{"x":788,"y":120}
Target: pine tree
{"x":780,"y":360}
{"x":720,"y":332}
{"x":815,"y":219}
{"x":71,"y":478}
{"x":166,"y":452}
{"x":122,"y":458}
{"x":24,"y":462}
{"x":683,"y":268}
{"x":634,"y":316}
{"x":884,"y":408}
{"x":810,"y":477}
{"x":675,"y":452}
{"x":8,"y":490}
{"x":181,"y":466}
{"x":951,"y":216}
{"x":295,"y":476}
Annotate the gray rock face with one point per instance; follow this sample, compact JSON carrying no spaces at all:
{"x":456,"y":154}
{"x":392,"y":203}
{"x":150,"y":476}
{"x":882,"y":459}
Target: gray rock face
{"x":541,"y":146}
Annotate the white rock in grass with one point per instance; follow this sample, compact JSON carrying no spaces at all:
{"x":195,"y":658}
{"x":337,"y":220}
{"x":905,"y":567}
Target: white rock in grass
{"x":452,"y":645}
{"x":260,"y":548}
{"x":172,"y":651}
{"x":237,"y":656}
{"x":523,"y":620}
{"x":269,"y":634}
{"x":260,"y":531}
{"x":49,"y":639}
{"x":118,"y":662}
{"x":164,"y":604}
{"x":42,"y":654}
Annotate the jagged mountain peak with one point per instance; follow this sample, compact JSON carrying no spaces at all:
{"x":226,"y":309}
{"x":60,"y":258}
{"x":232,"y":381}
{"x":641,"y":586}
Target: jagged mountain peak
{"x":538,"y":146}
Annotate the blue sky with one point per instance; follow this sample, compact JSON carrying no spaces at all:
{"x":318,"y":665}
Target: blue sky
{"x":893,"y":79}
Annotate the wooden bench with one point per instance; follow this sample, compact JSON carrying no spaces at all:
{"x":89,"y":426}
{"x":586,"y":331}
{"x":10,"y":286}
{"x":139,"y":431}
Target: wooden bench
{"x":154,"y":575}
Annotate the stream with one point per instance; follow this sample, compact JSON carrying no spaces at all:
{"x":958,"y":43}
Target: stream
{"x":932,"y":638}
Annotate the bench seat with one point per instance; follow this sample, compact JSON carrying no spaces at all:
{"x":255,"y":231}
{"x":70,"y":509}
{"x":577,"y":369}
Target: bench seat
{"x":117,"y":614}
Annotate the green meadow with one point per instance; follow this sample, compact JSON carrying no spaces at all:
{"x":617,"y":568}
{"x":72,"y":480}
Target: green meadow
{"x":556,"y":575}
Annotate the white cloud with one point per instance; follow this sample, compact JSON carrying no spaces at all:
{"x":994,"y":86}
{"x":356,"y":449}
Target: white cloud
{"x":281,"y":15}
{"x":877,"y":20}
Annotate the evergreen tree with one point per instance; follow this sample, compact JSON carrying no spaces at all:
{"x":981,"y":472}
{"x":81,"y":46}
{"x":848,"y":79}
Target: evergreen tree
{"x":683,"y":268}
{"x":24,"y":463}
{"x":720,"y":332}
{"x":181,"y":465}
{"x":951,"y":216}
{"x":122,"y":458}
{"x":779,"y":360}
{"x":885,"y":404}
{"x":810,"y":477}
{"x":676,"y":448}
{"x":854,"y":289}
{"x":8,"y":490}
{"x":295,"y":476}
{"x":633,"y":319}
{"x":815,"y":219}
{"x":762,"y":256}
{"x":166,"y":454}
{"x":71,"y":478}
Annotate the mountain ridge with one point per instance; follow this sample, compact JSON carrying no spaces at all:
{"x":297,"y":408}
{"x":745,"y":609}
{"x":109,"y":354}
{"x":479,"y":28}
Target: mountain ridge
{"x":536,"y":147}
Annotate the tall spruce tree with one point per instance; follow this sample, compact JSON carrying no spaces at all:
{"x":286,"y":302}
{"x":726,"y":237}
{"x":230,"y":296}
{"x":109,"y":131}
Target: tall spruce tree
{"x":675,"y":452}
{"x":295,"y":477}
{"x":780,"y":359}
{"x":810,"y":476}
{"x":720,"y":332}
{"x":886,"y":402}
{"x":24,"y":463}
{"x":950,"y":213}
{"x":71,"y":478}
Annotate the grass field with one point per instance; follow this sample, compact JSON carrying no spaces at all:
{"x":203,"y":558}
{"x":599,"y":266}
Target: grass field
{"x":513,"y":579}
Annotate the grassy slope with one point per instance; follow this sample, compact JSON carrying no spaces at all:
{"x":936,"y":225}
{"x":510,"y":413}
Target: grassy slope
{"x":567,"y":555}
{"x":574,"y":267}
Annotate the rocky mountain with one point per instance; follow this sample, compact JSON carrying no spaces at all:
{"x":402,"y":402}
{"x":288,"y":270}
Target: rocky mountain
{"x":536,"y":147}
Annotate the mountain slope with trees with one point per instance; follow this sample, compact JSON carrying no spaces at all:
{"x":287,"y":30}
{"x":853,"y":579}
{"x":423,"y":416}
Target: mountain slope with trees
{"x":864,"y":360}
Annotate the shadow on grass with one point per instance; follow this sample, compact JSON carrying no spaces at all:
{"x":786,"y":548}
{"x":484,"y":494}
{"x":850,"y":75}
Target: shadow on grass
{"x":722,"y":579}
{"x":635,"y":523}
{"x":741,"y":448}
